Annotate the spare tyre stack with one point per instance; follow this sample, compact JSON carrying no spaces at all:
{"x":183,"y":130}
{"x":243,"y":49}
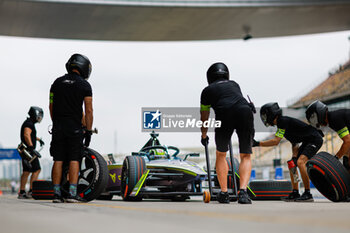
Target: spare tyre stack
{"x":42,"y":190}
{"x":329,"y":176}
{"x":270,"y":189}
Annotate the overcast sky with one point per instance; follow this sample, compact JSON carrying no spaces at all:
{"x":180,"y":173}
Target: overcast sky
{"x":129,"y":75}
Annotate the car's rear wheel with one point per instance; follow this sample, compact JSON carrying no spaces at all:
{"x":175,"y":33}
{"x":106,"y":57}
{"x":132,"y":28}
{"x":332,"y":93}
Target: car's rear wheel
{"x":133,"y":168}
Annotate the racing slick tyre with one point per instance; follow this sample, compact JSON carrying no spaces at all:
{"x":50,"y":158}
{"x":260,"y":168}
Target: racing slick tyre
{"x":93,"y":176}
{"x":133,"y":168}
{"x":42,"y":190}
{"x":270,"y":190}
{"x":329,"y":176}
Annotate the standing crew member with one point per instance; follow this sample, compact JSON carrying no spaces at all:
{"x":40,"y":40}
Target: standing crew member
{"x":235,"y":113}
{"x":295,"y":131}
{"x":29,"y":138}
{"x":339,"y":120}
{"x":67,"y":95}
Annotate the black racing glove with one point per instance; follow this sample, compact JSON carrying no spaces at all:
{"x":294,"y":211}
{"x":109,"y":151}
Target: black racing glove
{"x":205,"y":141}
{"x":87,"y":137}
{"x":42,"y":143}
{"x":255,"y":143}
{"x":36,"y":153}
{"x":33,"y":152}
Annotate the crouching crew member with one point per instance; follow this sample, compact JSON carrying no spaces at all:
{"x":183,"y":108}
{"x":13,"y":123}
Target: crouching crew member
{"x":235,"y":113}
{"x":339,"y":120}
{"x":67,"y":96}
{"x":296,"y":132}
{"x":29,"y":138}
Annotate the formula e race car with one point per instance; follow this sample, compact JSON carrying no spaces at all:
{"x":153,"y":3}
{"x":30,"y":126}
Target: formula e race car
{"x":156,"y":172}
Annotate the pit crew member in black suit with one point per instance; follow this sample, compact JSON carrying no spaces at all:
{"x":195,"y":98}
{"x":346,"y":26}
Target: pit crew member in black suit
{"x":305,"y":139}
{"x":29,"y":138}
{"x":235,"y":113}
{"x":67,"y":96}
{"x":318,"y":115}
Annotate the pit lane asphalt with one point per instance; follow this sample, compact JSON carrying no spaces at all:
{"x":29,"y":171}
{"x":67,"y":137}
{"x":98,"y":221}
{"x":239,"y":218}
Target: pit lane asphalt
{"x":27,"y":216}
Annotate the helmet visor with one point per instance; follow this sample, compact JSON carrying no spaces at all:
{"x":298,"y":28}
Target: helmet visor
{"x":264,"y":119}
{"x":89,"y":72}
{"x":39,"y":119}
{"x":313,"y":120}
{"x":39,"y":116}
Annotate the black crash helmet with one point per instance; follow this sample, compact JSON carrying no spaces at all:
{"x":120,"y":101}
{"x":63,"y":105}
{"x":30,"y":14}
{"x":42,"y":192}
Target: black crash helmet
{"x":316,"y":113}
{"x":269,"y":112}
{"x":81,"y":63}
{"x":217,"y":71}
{"x":36,"y":114}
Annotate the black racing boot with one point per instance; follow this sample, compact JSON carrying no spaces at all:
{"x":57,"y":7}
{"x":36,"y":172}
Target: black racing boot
{"x":57,"y":198}
{"x":75,"y":199}
{"x":30,"y":193}
{"x":305,"y":197}
{"x":22,"y":195}
{"x":223,"y":197}
{"x":243,"y":197}
{"x":292,"y":196}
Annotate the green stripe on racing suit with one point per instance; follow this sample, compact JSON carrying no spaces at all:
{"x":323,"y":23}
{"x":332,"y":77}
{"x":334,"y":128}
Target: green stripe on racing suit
{"x":343,"y":132}
{"x":280,"y":133}
{"x":205,"y":107}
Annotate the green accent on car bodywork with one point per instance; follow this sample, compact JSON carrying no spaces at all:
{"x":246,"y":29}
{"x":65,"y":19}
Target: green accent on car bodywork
{"x":205,"y":107}
{"x":139,"y":184}
{"x":182,"y":170}
{"x":174,"y":168}
{"x":280,"y":133}
{"x":343,"y":132}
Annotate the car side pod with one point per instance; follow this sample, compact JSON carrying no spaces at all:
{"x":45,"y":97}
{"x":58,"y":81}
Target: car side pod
{"x":329,"y":176}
